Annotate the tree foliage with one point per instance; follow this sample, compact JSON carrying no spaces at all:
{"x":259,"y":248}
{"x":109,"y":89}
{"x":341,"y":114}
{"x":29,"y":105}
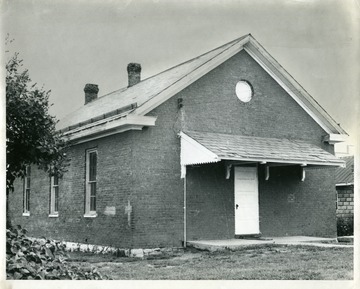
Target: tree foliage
{"x":345,"y":226}
{"x":42,"y":259}
{"x":31,"y":137}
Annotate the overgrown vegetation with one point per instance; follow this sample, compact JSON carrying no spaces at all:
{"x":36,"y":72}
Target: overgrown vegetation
{"x":42,"y":259}
{"x":345,"y":226}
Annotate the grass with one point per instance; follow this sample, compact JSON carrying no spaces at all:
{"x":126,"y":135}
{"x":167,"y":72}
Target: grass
{"x":272,"y":262}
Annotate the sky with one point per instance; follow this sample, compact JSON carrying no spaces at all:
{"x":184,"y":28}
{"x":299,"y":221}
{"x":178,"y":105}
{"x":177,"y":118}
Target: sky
{"x":66,"y":44}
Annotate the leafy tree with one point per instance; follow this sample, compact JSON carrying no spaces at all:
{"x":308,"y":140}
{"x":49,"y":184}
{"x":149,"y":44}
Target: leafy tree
{"x":31,"y":137}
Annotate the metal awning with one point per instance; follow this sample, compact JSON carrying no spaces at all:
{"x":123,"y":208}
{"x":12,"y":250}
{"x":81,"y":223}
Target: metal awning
{"x":204,"y":147}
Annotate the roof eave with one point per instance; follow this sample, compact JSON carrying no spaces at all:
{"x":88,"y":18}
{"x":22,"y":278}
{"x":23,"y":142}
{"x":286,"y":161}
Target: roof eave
{"x":194,"y":152}
{"x":335,"y":138}
{"x":100,"y":130}
{"x":287,"y":162}
{"x":344,"y":184}
{"x":308,"y":103}
{"x":190,"y":78}
{"x":280,"y":75}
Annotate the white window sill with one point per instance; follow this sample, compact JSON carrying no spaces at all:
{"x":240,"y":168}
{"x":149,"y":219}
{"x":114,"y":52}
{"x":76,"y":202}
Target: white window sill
{"x":54,"y":215}
{"x":27,"y":214}
{"x":90,"y":215}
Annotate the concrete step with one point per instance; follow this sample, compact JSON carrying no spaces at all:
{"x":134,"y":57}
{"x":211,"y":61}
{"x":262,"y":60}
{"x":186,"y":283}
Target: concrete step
{"x":233,"y":244}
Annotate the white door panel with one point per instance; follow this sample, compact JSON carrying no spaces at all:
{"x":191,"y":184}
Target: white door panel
{"x":246,"y":186}
{"x":246,"y":201}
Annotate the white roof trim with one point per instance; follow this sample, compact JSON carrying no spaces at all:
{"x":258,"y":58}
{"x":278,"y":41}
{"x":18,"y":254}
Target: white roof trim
{"x":335,"y":138}
{"x":317,"y":112}
{"x":344,"y":184}
{"x":281,"y":161}
{"x":288,"y":90}
{"x":106,"y":128}
{"x":258,"y":53}
{"x":193,"y":153}
{"x":191,"y":77}
{"x":252,"y":47}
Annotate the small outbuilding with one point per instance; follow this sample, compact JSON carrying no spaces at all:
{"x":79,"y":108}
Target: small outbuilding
{"x":345,"y":188}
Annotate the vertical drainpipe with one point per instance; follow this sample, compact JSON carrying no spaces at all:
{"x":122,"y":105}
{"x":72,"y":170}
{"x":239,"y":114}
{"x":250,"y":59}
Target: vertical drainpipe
{"x":185,"y":209}
{"x":183,"y":168}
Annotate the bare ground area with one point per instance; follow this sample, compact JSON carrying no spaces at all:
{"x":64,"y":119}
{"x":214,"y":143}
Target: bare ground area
{"x":271,"y":262}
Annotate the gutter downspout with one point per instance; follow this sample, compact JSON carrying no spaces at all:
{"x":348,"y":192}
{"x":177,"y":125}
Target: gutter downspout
{"x":185,"y":240}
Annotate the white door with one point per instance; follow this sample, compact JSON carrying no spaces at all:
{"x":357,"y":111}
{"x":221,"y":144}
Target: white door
{"x":246,"y":201}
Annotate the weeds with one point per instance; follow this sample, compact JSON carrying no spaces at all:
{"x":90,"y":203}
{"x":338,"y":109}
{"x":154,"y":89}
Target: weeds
{"x":40,"y":259}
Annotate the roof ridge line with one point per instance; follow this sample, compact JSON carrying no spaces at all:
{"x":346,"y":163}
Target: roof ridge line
{"x":177,"y":65}
{"x":201,"y":55}
{"x":230,"y":44}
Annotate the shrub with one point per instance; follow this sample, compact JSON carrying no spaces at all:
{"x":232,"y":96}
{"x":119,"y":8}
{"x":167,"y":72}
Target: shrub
{"x":40,"y":259}
{"x":345,"y":226}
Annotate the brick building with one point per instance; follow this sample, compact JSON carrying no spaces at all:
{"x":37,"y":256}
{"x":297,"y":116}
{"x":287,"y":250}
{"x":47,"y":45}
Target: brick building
{"x":224,"y":145}
{"x":345,"y":188}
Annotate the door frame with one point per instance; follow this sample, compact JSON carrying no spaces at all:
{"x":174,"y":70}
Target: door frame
{"x":257,"y":230}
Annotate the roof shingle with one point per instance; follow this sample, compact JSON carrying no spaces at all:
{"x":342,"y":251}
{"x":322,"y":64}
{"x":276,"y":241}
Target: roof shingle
{"x":345,"y":175}
{"x":239,"y":147}
{"x":141,"y":92}
{"x":151,"y":92}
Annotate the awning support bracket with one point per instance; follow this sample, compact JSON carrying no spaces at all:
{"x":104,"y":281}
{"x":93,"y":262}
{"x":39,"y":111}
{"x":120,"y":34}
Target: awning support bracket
{"x":228,"y":171}
{"x":303,"y":172}
{"x":267,"y":172}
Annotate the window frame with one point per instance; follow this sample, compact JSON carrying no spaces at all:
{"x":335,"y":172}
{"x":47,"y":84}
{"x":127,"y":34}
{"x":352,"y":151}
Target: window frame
{"x":240,"y":95}
{"x":54,"y":197}
{"x":27,"y":192}
{"x":90,"y":184}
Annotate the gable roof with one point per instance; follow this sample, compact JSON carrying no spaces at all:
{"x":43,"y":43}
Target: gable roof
{"x":205,"y":147}
{"x":144,"y":91}
{"x":151,"y":92}
{"x":345,"y":176}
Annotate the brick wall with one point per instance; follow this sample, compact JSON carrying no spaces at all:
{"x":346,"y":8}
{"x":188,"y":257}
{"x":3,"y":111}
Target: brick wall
{"x":114,"y":179}
{"x":287,"y":205}
{"x":211,"y":105}
{"x":210,"y":202}
{"x":291,"y":207}
{"x":159,"y":190}
{"x":345,"y":201}
{"x":143,"y":167}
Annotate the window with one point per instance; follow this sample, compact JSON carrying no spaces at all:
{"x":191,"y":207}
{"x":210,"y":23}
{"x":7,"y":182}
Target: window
{"x":54,"y":196}
{"x":90,"y":186}
{"x":27,"y":181}
{"x":244,"y":91}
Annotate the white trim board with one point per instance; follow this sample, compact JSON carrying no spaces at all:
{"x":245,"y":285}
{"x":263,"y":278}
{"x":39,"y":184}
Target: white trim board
{"x":223,"y":53}
{"x":129,"y":122}
{"x":310,"y":105}
{"x":288,"y":90}
{"x":193,"y":153}
{"x":190,"y":78}
{"x":344,"y":184}
{"x":279,"y":74}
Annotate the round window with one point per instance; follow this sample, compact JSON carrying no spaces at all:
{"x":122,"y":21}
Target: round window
{"x":244,"y":91}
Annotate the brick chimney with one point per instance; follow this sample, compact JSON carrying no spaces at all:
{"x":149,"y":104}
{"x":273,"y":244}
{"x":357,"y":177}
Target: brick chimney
{"x":91,"y":92}
{"x":134,"y":70}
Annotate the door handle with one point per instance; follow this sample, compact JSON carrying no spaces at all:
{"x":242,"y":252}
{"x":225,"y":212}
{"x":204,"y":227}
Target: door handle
{"x":237,"y":206}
